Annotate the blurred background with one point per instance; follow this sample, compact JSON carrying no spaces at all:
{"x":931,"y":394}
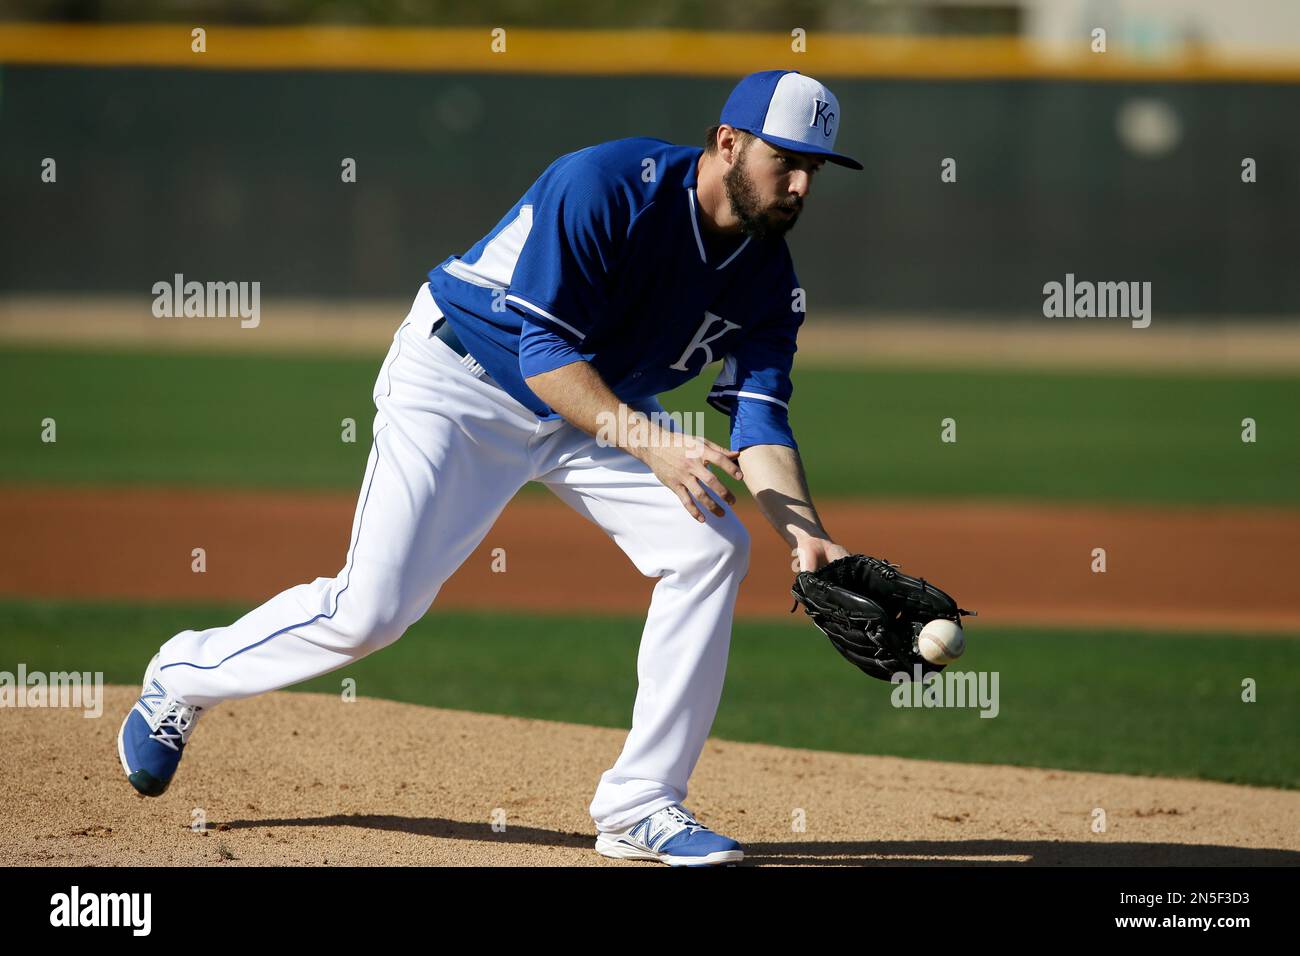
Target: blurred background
{"x":1115,"y":140}
{"x":1123,"y":165}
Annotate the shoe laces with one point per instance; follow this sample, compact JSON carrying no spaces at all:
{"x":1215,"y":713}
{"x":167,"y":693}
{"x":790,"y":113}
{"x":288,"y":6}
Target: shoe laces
{"x":681,"y":815}
{"x":175,"y":725}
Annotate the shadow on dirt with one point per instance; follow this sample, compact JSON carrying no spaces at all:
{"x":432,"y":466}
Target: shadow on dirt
{"x":842,"y":853}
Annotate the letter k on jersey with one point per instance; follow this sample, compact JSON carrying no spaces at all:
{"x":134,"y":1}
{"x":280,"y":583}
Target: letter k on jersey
{"x":702,"y":340}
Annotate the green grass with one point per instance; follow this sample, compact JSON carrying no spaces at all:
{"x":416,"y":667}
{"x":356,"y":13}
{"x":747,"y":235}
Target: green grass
{"x":275,"y":421}
{"x":1114,"y":701}
{"x":208,"y":419}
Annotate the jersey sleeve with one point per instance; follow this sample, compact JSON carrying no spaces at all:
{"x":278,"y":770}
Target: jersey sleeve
{"x":559,"y":286}
{"x":754,"y":386}
{"x":542,"y":349}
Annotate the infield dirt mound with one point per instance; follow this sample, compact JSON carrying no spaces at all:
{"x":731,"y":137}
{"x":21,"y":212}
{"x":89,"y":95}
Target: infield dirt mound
{"x":305,"y":779}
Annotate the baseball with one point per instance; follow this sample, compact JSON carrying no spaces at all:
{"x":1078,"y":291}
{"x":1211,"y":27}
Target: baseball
{"x":941,"y":642}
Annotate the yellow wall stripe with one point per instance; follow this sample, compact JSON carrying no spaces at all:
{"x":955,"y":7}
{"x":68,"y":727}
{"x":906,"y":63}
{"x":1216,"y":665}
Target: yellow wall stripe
{"x":663,"y":52}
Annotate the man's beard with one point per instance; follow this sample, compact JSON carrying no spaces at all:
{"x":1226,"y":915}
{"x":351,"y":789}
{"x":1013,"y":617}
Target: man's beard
{"x":756,"y":219}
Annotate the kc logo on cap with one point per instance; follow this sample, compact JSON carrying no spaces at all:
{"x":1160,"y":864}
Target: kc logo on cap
{"x":790,"y":110}
{"x":823,"y":116}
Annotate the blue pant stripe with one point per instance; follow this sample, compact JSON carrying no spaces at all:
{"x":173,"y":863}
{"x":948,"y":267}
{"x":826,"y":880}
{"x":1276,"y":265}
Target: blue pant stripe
{"x":337,"y":598}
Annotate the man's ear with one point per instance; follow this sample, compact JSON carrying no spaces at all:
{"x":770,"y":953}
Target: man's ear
{"x":730,"y":141}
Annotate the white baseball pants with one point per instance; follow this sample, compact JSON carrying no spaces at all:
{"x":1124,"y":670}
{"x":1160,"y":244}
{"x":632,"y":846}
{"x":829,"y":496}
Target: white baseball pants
{"x":450,"y":450}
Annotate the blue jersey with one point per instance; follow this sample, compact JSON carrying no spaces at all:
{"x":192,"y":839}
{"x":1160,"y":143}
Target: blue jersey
{"x":604,"y":259}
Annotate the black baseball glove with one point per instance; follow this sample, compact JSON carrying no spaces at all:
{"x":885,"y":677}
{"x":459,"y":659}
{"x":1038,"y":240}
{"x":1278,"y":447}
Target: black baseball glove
{"x":872,"y":612}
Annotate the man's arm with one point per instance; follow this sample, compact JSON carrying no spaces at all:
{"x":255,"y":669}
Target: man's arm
{"x":578,"y":393}
{"x":773,"y":473}
{"x":775,"y":477}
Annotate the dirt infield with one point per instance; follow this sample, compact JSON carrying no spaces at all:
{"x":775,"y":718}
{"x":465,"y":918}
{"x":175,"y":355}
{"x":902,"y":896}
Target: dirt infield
{"x":307,"y":779}
{"x":1021,"y":564}
{"x":298,"y":779}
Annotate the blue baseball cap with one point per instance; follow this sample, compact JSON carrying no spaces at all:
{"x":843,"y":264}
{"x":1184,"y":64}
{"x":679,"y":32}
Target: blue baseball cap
{"x":788,"y":109}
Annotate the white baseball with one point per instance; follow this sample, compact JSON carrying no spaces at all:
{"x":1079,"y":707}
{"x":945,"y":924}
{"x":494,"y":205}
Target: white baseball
{"x":941,"y":642}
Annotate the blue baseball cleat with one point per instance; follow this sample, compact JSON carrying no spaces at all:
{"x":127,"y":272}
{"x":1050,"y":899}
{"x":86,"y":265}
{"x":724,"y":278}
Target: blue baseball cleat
{"x":671,"y":836}
{"x":154,"y":734}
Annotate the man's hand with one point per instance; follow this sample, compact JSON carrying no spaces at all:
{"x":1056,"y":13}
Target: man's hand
{"x":813,"y":554}
{"x":681,"y":462}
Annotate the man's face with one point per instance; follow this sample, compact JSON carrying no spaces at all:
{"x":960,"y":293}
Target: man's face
{"x":767,"y":187}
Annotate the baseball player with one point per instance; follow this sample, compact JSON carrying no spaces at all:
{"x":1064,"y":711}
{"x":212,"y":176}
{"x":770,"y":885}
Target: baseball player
{"x":622,"y":272}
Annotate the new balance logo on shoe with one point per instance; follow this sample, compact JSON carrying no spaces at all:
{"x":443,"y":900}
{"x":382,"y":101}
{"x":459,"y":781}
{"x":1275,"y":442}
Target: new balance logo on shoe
{"x":673,"y":836}
{"x":153,"y":736}
{"x":647,"y":834}
{"x":153,"y":697}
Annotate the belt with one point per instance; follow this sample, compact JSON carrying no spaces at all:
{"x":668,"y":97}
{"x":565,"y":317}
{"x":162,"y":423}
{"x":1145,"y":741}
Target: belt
{"x":444,"y":331}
